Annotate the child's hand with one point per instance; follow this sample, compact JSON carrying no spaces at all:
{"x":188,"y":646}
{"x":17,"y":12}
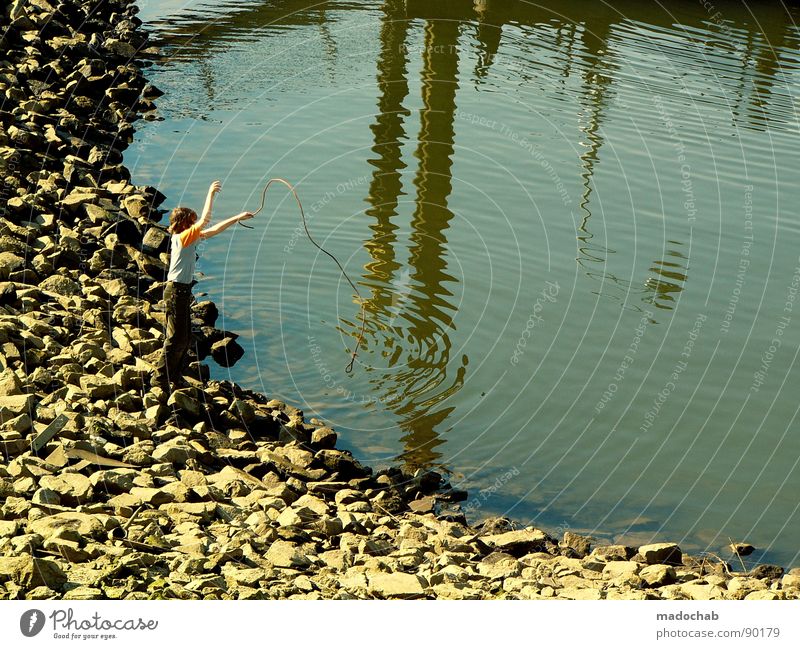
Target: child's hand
{"x":215,"y":188}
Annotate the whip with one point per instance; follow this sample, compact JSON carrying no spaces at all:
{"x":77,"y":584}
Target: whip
{"x":349,"y":367}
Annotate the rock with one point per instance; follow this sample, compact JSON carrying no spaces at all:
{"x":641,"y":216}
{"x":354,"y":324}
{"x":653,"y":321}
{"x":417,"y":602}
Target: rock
{"x":72,"y":488}
{"x":207,"y":312}
{"x":658,"y":575}
{"x":582,"y":545}
{"x":8,"y":528}
{"x":396,"y":585}
{"x":668,"y":553}
{"x":156,"y":241}
{"x":46,"y":497}
{"x":499,"y":565}
{"x":85,"y":525}
{"x":289,"y":517}
{"x":283,"y":554}
{"x":767,"y":571}
{"x":31,"y":573}
{"x":423,"y":505}
{"x":184,"y":401}
{"x":579,"y":593}
{"x":517,"y":542}
{"x":323,"y":438}
{"x":99,"y":387}
{"x":84,"y":593}
{"x":227,"y":351}
{"x":613,"y":552}
{"x":69,"y":549}
{"x":60,"y":285}
{"x":10,"y":385}
{"x":243,"y":411}
{"x":9,"y":262}
{"x":762,"y":595}
{"x":620,"y":569}
{"x":742,"y":549}
{"x":348,"y":496}
{"x":173,"y":453}
{"x":15,"y":405}
{"x":151,"y":496}
{"x":702,"y":591}
{"x":742,"y":585}
{"x":120,"y":48}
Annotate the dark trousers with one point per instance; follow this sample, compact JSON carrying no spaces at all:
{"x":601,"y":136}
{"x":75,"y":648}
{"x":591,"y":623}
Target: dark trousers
{"x":179,"y":333}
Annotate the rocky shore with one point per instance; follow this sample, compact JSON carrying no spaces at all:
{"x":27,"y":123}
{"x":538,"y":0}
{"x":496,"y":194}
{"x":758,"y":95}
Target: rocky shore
{"x":111,"y":490}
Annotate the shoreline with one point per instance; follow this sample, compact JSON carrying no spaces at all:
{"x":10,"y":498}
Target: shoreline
{"x":237,"y":496}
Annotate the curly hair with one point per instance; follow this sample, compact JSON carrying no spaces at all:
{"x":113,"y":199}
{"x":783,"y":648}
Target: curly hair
{"x":180,"y":219}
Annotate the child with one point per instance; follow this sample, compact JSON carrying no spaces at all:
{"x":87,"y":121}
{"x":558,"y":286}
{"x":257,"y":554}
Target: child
{"x":186,"y":231}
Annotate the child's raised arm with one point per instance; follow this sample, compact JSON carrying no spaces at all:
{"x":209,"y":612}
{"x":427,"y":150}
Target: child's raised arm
{"x":213,"y":190}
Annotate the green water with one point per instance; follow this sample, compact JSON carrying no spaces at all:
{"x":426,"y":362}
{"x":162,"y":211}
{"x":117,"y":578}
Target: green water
{"x":574,"y":227}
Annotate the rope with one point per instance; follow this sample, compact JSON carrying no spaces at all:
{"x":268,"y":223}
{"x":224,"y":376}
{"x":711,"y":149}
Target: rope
{"x":349,"y":367}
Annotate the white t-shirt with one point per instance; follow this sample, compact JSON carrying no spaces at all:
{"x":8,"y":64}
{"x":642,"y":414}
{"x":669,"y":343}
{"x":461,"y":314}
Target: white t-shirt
{"x":183,"y":254}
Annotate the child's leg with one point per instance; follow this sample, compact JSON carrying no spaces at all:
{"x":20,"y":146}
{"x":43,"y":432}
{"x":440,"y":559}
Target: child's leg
{"x":162,"y":373}
{"x":182,"y":334}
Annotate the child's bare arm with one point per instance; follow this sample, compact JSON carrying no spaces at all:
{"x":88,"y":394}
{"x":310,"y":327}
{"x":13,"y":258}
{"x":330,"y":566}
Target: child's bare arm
{"x":224,"y":225}
{"x":205,"y":217}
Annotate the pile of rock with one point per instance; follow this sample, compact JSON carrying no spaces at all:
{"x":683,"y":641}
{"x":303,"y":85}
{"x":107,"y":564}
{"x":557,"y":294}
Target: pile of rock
{"x":236,"y":495}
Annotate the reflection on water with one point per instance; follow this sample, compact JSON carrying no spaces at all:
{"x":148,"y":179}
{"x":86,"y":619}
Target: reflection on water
{"x":413,"y":306}
{"x":642,"y":126}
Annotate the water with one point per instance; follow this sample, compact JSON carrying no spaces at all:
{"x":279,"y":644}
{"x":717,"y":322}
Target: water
{"x":574,"y":227}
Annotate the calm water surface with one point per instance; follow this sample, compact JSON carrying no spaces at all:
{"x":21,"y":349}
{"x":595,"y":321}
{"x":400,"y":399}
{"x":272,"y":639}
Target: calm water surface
{"x":574,"y":227}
